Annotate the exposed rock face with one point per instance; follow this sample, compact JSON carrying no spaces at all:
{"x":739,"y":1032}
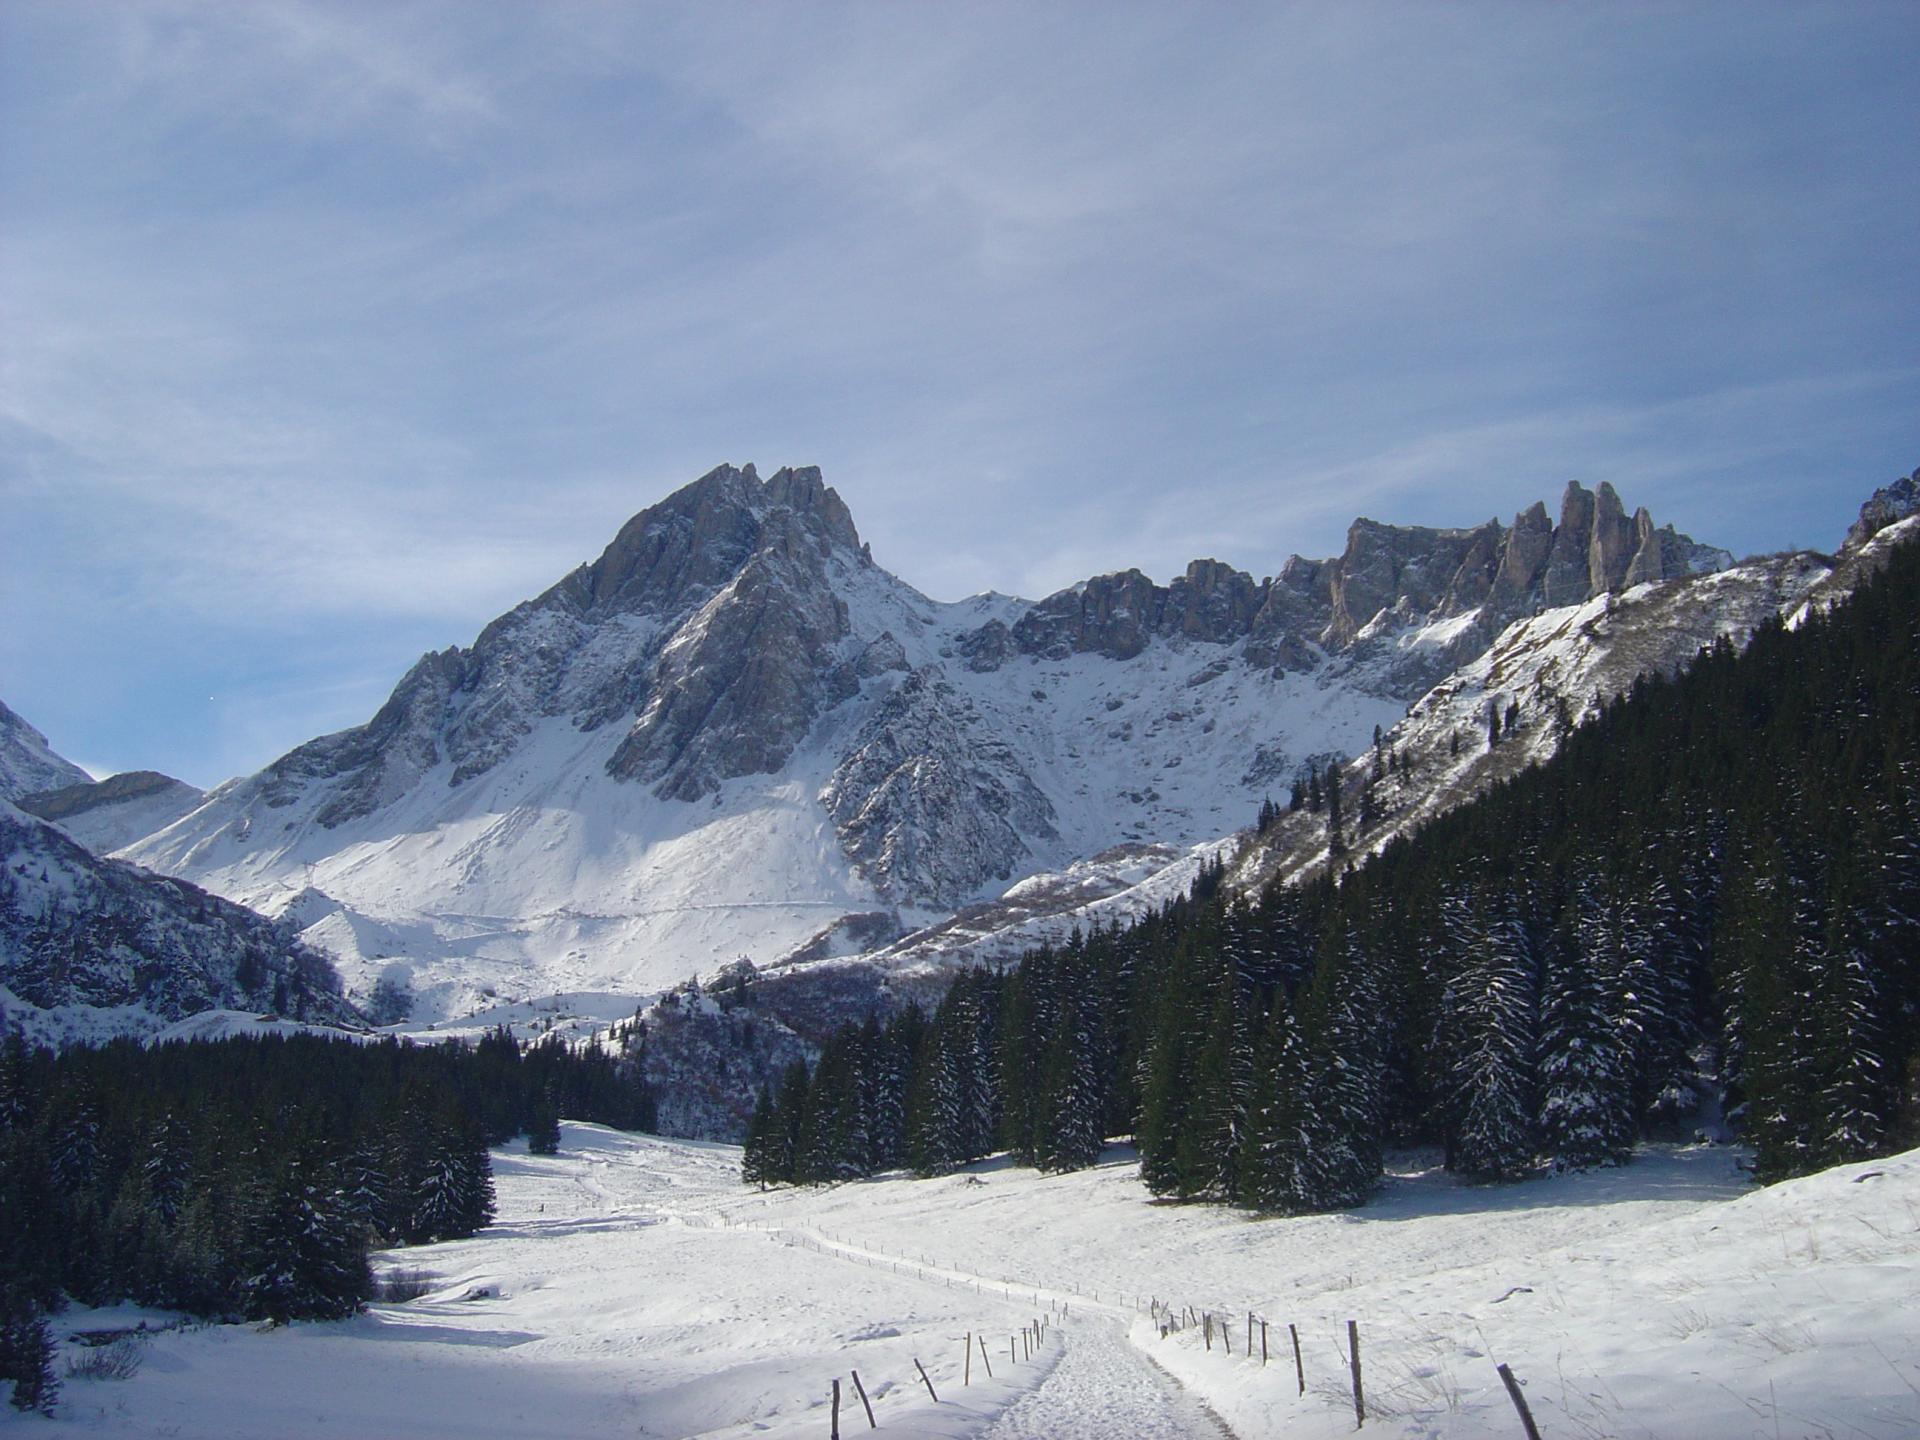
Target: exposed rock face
{"x":743,"y":680}
{"x":78,"y":931}
{"x":1569,"y":574}
{"x":926,"y":806}
{"x":1889,"y":504}
{"x":1389,"y":579}
{"x":707,"y":623}
{"x":28,"y":765}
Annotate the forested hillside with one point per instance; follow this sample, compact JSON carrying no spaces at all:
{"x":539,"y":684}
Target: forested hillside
{"x":249,"y":1177}
{"x":1702,"y":909}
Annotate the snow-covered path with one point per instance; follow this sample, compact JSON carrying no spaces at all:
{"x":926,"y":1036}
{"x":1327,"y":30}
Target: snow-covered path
{"x":633,"y":1289}
{"x":1104,"y":1387}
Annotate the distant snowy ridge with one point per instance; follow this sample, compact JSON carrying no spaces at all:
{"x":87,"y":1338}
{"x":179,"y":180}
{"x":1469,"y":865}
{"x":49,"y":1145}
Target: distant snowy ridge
{"x":28,"y":765}
{"x":105,"y":815}
{"x":91,"y":948}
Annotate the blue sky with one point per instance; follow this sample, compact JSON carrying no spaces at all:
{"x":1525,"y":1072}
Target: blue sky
{"x":330,"y":331}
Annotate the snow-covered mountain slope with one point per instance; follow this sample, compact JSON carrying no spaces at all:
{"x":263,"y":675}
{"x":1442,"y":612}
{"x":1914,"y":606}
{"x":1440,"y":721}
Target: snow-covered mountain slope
{"x":91,"y":948}
{"x":28,"y":765}
{"x":106,"y":815}
{"x":735,"y":735}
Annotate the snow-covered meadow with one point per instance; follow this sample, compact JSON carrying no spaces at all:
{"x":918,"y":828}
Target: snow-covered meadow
{"x":632,"y":1287}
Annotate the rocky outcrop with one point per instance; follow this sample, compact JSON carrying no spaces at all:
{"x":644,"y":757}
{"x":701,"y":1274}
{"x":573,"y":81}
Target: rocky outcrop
{"x":1887,"y":505}
{"x":708,"y":625}
{"x":1389,"y":580}
{"x":744,"y":679}
{"x":927,"y":807}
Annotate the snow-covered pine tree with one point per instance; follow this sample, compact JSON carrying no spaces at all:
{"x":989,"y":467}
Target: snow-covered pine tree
{"x":757,"y":1164}
{"x":1208,"y":1150}
{"x":1655,"y":987}
{"x":165,"y":1169}
{"x":1585,"y":1070}
{"x":1274,"y":1162}
{"x":1855,"y":1087}
{"x":1070,"y":1104}
{"x":455,"y":1194}
{"x":543,"y":1124}
{"x":26,"y":1351}
{"x":1178,"y":1033}
{"x":1345,"y":1069}
{"x":309,"y":1261}
{"x":1488,"y":1025}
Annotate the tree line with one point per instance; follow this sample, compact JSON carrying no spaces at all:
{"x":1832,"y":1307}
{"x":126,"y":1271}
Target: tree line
{"x":248,"y":1178}
{"x":1701,"y":910}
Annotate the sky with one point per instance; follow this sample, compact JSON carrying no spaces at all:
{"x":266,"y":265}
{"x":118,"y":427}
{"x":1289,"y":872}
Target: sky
{"x":329,"y":331}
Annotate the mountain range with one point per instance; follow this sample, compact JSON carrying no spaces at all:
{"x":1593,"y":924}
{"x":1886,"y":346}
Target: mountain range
{"x":734,"y":736}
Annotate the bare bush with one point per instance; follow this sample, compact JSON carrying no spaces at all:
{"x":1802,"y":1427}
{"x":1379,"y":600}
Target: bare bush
{"x":117,"y":1360}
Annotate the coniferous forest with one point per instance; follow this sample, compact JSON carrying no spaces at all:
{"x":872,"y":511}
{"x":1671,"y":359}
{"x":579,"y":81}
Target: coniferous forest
{"x":248,"y":1178}
{"x":1704,"y":910}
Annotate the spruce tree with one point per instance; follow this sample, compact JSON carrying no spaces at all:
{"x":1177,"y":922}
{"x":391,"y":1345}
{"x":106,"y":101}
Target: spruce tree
{"x":1488,"y":1024}
{"x":1274,"y":1170}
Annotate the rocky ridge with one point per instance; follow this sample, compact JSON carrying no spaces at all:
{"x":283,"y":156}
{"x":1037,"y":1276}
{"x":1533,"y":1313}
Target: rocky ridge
{"x":104,"y":815}
{"x":92,"y":947}
{"x":28,"y":765}
{"x":1389,"y":580}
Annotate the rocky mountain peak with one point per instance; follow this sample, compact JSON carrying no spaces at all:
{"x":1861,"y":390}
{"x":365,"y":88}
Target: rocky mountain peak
{"x":697,"y":538}
{"x":1886,"y":506}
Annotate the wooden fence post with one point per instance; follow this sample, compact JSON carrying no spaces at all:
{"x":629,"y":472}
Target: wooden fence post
{"x":1519,"y":1401}
{"x":1263,"y":1344}
{"x":1353,"y":1360}
{"x":1249,"y":1332}
{"x":985,"y":1358}
{"x":861,"y":1391}
{"x":836,"y":1407}
{"x":1299,"y":1370}
{"x":967,"y":1351}
{"x":923,"y":1378}
{"x":1206,"y":1328}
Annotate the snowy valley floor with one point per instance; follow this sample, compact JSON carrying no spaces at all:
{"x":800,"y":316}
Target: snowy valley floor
{"x":633,"y":1288}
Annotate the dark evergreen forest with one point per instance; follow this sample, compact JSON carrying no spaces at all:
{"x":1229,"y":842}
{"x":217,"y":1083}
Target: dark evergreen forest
{"x":248,"y":1178}
{"x":1703,"y":910}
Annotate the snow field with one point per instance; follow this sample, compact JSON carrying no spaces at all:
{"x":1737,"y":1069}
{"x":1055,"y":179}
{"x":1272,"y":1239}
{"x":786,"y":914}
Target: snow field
{"x":1665,"y":1299}
{"x":633,"y":1287}
{"x":589,"y":1309}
